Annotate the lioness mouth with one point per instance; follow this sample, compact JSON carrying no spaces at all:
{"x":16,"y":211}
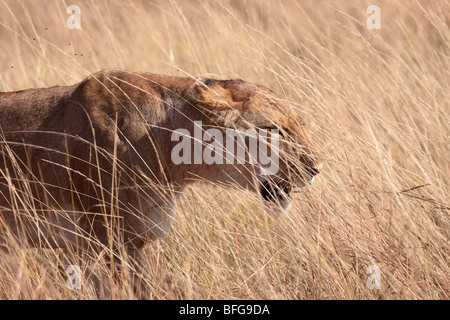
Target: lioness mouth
{"x":276,"y":191}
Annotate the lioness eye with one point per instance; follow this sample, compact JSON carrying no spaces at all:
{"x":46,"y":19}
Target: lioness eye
{"x":272,"y":129}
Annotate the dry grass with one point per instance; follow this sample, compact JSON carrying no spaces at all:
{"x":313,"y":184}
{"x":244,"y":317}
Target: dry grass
{"x":377,"y":106}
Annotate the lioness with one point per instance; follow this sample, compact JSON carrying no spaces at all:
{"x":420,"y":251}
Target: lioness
{"x":86,"y":164}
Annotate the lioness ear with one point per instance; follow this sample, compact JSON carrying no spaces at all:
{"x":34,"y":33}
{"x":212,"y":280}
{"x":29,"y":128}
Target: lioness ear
{"x":211,"y":95}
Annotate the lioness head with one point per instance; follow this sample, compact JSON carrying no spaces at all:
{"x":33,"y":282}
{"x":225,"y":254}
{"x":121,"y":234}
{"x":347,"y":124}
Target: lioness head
{"x":230,"y":106}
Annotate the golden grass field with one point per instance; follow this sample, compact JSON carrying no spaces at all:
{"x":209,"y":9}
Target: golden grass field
{"x":376,"y":104}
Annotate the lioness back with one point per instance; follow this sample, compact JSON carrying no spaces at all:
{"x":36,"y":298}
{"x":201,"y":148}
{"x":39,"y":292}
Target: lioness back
{"x":61,"y":144}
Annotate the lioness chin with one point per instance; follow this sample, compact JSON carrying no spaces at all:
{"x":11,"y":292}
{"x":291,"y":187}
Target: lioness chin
{"x":82,"y":164}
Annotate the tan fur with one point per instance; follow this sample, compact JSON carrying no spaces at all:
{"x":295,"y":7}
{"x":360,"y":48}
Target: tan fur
{"x":79,"y":161}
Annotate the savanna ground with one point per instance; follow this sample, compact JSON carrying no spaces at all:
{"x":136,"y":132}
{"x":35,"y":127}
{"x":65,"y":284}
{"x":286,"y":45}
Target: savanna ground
{"x":376,"y":103}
